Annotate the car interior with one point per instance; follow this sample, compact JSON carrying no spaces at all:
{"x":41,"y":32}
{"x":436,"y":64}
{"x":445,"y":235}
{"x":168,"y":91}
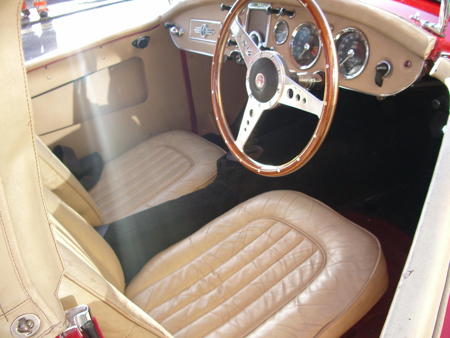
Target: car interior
{"x":223,"y":170}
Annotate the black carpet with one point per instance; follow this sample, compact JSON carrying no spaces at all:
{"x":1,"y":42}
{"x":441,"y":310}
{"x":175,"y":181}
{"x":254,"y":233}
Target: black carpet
{"x":377,"y":160}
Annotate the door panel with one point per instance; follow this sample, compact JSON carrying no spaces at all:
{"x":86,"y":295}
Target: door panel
{"x":111,"y":97}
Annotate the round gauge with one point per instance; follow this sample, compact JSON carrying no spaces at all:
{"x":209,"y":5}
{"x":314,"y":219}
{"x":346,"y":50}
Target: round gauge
{"x":256,"y":37}
{"x":306,"y":45}
{"x":353,"y":52}
{"x":281,"y":32}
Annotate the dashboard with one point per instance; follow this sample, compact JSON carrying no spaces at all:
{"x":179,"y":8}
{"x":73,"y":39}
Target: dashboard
{"x":371,"y":60}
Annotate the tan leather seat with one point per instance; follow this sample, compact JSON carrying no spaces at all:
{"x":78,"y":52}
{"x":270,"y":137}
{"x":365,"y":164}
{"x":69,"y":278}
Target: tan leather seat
{"x":159,"y":169}
{"x":279,"y":265}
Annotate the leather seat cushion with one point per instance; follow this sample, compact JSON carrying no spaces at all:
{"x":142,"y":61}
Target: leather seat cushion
{"x":281,"y":264}
{"x":162,"y":168}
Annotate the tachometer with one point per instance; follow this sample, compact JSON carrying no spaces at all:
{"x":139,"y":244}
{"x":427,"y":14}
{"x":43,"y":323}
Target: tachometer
{"x":353,"y":52}
{"x":306,"y":45}
{"x":281,"y":32}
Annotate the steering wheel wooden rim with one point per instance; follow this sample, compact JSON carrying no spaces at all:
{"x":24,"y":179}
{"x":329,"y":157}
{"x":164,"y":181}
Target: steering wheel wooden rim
{"x":329,"y":101}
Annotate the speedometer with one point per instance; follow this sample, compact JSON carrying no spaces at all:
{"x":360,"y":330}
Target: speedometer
{"x":306,"y":45}
{"x":353,"y":52}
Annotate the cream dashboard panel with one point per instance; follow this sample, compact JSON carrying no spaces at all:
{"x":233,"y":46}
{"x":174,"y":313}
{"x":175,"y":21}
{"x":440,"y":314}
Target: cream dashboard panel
{"x":200,"y":26}
{"x":406,"y":66}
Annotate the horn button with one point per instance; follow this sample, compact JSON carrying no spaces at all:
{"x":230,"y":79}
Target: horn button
{"x":263,"y":79}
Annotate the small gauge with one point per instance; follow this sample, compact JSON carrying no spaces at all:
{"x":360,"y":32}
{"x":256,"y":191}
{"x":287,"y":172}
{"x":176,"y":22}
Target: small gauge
{"x":281,"y":32}
{"x":306,"y":45}
{"x":353,"y":52}
{"x":256,"y":37}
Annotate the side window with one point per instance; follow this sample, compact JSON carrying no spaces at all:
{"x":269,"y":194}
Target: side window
{"x":50,"y":26}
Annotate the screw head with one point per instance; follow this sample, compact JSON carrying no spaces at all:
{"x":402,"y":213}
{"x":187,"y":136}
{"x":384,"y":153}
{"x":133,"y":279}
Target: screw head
{"x":25,"y":326}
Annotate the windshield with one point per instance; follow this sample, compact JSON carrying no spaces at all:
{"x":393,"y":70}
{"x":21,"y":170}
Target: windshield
{"x":61,"y":26}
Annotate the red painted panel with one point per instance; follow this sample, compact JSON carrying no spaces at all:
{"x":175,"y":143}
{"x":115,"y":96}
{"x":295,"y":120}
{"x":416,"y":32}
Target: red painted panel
{"x":424,"y":5}
{"x":408,"y":8}
{"x":445,"y":333}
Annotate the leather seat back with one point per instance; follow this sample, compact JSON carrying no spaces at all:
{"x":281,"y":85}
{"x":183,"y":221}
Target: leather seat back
{"x":56,"y":177}
{"x":93,"y":275}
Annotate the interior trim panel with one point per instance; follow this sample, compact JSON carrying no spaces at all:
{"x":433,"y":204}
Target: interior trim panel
{"x":403,"y":61}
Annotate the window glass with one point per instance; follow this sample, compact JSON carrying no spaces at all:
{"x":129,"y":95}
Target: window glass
{"x":60,"y":26}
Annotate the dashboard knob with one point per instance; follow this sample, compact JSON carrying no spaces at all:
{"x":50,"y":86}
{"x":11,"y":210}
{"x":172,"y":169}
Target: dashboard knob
{"x":141,"y":42}
{"x":382,"y":69}
{"x":287,"y":12}
{"x":271,"y":10}
{"x":168,"y":25}
{"x":224,"y":7}
{"x":177,"y":31}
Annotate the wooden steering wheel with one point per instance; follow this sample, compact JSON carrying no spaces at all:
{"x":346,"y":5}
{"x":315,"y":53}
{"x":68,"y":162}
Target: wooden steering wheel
{"x":269,"y":84}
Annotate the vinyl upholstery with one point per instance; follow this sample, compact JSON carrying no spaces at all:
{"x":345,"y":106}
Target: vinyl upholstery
{"x":159,"y":169}
{"x":57,"y":178}
{"x":93,"y":275}
{"x":279,"y":265}
{"x":162,"y":168}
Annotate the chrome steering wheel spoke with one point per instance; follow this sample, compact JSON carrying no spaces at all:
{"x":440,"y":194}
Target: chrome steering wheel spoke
{"x":296,"y":96}
{"x":249,"y":50}
{"x":252,"y":114}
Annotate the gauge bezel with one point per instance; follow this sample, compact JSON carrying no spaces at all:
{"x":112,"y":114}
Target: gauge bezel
{"x":294,"y":33}
{"x":258,"y":35}
{"x":275,"y":29}
{"x":366,"y":56}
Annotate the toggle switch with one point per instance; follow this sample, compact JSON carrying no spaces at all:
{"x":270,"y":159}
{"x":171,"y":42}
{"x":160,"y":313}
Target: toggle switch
{"x":382,"y":69}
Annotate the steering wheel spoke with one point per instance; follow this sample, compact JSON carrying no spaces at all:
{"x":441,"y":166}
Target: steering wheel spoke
{"x":268,"y":85}
{"x":294,"y":95}
{"x":249,"y":50}
{"x":252,"y":114}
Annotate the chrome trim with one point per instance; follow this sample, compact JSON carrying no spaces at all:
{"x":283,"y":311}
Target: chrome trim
{"x":258,"y":36}
{"x":275,"y":29}
{"x":366,"y":57}
{"x":435,"y":27}
{"x":204,"y":30}
{"x":259,"y":6}
{"x":26,"y":325}
{"x":444,"y":14}
{"x":201,"y":23}
{"x":277,"y":60}
{"x":292,"y":42}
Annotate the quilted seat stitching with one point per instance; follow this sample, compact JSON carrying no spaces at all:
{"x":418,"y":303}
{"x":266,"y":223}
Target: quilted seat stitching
{"x":116,"y":181}
{"x":110,"y":172}
{"x":278,"y":281}
{"x":230,"y":276}
{"x":110,"y":206}
{"x":198,"y":257}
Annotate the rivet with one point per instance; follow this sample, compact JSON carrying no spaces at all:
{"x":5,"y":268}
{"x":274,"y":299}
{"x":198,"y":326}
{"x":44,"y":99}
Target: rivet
{"x":26,"y":325}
